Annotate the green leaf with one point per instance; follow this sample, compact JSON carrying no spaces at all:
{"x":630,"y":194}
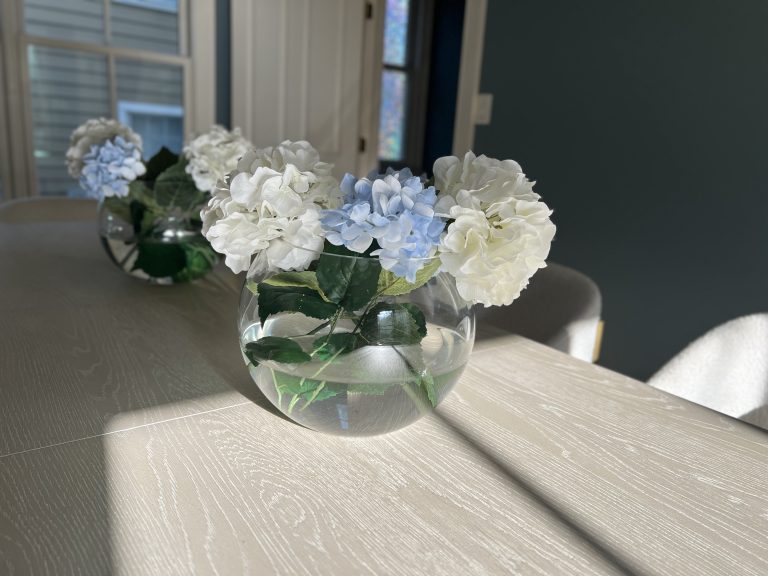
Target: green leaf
{"x":428,"y":384}
{"x":160,"y":162}
{"x":200,"y":258}
{"x":159,"y":259}
{"x":367,"y":389}
{"x":175,"y":188}
{"x":350,"y":282}
{"x":304,"y":279}
{"x":274,"y":299}
{"x":393,"y":324}
{"x":305,"y":389}
{"x":391,"y":285}
{"x":144,"y":211}
{"x":139,"y":191}
{"x":120,"y":207}
{"x":137,"y":210}
{"x":327,"y":347}
{"x":148,"y":222}
{"x":276,"y":349}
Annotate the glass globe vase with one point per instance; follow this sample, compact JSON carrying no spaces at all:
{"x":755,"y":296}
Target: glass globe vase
{"x":344,"y":355}
{"x":159,"y":246}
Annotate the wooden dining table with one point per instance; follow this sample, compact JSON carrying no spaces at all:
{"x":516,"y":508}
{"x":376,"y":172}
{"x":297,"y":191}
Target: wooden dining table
{"x":133,"y":441}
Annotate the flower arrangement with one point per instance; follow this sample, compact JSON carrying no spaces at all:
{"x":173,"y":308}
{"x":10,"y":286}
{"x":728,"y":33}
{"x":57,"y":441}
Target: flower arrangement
{"x":150,"y":209}
{"x":335,"y":269}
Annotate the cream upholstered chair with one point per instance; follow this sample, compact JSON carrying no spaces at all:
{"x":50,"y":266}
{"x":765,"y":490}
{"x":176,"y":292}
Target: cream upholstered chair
{"x":51,"y":209}
{"x":726,"y":370}
{"x":560,"y":308}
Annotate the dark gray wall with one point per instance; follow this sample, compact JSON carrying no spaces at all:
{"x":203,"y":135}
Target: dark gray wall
{"x":646,"y":127}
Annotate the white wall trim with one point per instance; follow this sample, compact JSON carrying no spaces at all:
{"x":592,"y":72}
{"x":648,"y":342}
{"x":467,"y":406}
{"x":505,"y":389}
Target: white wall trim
{"x":241,"y":14}
{"x":202,"y":68}
{"x":370,"y":88}
{"x":5,"y":148}
{"x":473,"y":39}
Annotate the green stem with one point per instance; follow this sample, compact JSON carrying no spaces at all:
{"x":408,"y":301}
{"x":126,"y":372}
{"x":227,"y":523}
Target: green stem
{"x":279,"y":394}
{"x":316,"y":330}
{"x":420,"y":404}
{"x":314,"y":395}
{"x":322,"y":384}
{"x":293,"y":402}
{"x":415,"y":398}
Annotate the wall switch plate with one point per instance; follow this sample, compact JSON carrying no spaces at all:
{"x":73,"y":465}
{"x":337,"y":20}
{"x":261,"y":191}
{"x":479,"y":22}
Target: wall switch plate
{"x":483,"y":108}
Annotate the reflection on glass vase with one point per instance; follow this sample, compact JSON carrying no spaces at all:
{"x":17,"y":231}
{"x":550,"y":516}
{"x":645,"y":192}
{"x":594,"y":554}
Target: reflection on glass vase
{"x":159,"y":246}
{"x":372,"y":363}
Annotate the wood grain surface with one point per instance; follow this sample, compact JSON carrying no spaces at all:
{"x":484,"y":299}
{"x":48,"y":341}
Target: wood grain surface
{"x":81,"y":341}
{"x":536,"y":464}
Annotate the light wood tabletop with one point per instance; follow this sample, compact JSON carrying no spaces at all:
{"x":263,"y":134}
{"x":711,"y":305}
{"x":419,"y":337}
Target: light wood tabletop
{"x":132,"y":441}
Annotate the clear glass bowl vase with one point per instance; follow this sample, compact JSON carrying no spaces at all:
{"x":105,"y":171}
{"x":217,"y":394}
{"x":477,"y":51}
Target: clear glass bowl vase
{"x":160,"y":247}
{"x":339,"y":355}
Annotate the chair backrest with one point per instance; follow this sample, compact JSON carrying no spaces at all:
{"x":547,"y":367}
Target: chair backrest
{"x":560,"y":308}
{"x":726,"y":370}
{"x":47,"y":210}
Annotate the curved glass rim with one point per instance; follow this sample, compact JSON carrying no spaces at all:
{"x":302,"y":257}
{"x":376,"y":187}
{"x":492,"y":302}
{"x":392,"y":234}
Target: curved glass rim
{"x":356,"y":257}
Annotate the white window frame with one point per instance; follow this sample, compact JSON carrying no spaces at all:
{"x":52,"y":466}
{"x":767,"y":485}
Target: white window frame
{"x":159,"y":5}
{"x":196,"y":58}
{"x":126,"y":107}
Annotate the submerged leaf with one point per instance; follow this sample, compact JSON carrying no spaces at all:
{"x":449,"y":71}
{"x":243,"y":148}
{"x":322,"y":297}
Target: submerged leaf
{"x":160,"y":259}
{"x":200,"y":258}
{"x":276,"y":349}
{"x":327,"y":347}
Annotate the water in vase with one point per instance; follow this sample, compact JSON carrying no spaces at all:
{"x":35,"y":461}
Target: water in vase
{"x":370,"y":390}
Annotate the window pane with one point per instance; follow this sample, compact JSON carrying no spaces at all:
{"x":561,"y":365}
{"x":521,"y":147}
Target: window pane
{"x":145,"y":25}
{"x":394,"y":87}
{"x":76,"y":20}
{"x":150,"y":100}
{"x":396,"y":32}
{"x":66,"y":89}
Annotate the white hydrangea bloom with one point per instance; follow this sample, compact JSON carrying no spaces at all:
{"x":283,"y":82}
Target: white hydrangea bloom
{"x":268,"y":208}
{"x":95,"y":131}
{"x":501,"y":233}
{"x":305,"y":158}
{"x":213,"y":155}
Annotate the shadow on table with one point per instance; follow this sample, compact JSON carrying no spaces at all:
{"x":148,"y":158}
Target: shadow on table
{"x":539,"y":497}
{"x":57,"y":506}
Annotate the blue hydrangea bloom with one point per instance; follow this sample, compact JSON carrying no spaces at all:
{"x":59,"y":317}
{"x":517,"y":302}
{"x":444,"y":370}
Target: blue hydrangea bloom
{"x":109,"y":168}
{"x":396,"y":211}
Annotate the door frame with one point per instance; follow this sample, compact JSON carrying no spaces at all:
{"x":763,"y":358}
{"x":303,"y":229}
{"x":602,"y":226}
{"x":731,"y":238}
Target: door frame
{"x":472,"y":43}
{"x":470,"y":68}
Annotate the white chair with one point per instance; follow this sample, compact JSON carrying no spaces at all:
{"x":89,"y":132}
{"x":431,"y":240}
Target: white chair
{"x":726,"y":370}
{"x":51,"y":209}
{"x":560,"y":308}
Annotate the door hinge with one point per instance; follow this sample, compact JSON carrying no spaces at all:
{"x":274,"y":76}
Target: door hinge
{"x":368,"y":10}
{"x":361,"y":145}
